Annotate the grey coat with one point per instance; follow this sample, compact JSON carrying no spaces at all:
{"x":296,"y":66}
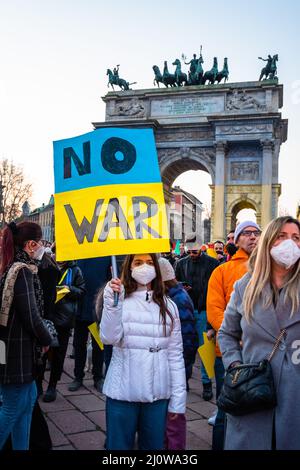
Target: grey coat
{"x":254,"y":431}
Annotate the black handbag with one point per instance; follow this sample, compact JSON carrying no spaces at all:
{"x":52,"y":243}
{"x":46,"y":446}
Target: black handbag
{"x":249,"y":387}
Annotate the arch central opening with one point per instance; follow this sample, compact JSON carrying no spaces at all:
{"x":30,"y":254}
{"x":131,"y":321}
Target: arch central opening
{"x":243,"y":210}
{"x":187,"y":183}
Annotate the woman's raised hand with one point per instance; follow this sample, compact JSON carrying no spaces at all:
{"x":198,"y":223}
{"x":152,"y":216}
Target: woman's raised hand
{"x":116,"y":285}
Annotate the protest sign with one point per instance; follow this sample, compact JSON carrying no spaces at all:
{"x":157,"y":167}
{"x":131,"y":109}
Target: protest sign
{"x":108,"y":195}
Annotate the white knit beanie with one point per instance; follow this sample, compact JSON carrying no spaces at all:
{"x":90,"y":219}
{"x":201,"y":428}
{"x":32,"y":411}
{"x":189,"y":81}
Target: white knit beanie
{"x":166,"y":269}
{"x":192,"y":242}
{"x":242,"y":226}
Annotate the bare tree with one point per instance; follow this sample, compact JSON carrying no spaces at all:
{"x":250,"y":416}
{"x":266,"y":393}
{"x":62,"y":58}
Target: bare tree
{"x":14,"y":191}
{"x":207,"y":210}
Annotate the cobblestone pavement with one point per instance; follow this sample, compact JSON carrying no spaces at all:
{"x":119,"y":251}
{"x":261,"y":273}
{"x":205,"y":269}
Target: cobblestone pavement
{"x":77,"y":419}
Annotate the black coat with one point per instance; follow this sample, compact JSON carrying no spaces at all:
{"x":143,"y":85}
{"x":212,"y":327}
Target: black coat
{"x":49,"y":274}
{"x":24,"y":330}
{"x":94,"y":271}
{"x":196,"y":273}
{"x":67,"y":309}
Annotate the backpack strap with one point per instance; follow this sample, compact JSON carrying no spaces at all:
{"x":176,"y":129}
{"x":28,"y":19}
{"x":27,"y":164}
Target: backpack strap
{"x":8,"y":289}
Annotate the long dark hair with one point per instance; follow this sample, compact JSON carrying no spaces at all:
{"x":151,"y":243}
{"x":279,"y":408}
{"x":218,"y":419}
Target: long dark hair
{"x":157,"y":286}
{"x":14,"y":238}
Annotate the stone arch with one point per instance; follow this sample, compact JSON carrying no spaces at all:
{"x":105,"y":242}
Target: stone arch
{"x":174,"y":162}
{"x":238,"y":205}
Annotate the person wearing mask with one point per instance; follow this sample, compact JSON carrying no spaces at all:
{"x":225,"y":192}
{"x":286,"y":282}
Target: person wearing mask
{"x":219,"y":249}
{"x":176,"y":429}
{"x":66,"y":310}
{"x":194,"y":271}
{"x":146,"y":377}
{"x":230,"y":249}
{"x":230,"y":246}
{"x":220,"y":287}
{"x":265,"y":303}
{"x":23,"y":334}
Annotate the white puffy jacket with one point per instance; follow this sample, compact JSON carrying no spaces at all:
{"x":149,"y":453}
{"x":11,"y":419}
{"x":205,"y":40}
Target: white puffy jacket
{"x":146,"y":365}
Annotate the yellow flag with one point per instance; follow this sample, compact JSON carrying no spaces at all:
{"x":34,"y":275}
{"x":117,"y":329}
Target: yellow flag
{"x":82,"y":228}
{"x":94,"y":331}
{"x":207,"y":353}
{"x":61,"y":292}
{"x":211,"y":252}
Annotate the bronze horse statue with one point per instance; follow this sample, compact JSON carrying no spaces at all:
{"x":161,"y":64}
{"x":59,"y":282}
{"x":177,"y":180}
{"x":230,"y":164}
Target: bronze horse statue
{"x":168,"y":78}
{"x":270,"y":70}
{"x":224,"y":73}
{"x":158,"y":78}
{"x":211,"y":75}
{"x":180,"y":77}
{"x":115,"y":80}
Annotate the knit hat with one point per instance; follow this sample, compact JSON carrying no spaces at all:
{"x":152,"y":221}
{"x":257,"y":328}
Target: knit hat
{"x":191,"y":242}
{"x":166,"y":269}
{"x":242,"y":226}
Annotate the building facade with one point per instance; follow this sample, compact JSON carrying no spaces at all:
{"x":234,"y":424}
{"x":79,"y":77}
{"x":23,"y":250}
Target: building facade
{"x":44,"y":216}
{"x":185,"y":214}
{"x":233,"y":131}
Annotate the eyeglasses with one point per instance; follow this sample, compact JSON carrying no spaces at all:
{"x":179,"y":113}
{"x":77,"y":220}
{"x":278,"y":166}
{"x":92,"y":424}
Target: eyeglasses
{"x":248,"y":233}
{"x":193,"y":252}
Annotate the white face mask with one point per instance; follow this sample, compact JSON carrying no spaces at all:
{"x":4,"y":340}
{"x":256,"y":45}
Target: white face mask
{"x":39,"y":253}
{"x":286,"y":253}
{"x":143,"y":274}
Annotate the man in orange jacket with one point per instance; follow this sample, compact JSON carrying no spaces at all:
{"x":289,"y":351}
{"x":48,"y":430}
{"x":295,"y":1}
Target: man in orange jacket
{"x":220,"y":287}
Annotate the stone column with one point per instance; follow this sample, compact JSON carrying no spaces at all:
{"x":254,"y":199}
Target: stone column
{"x":219,"y":190}
{"x":266,"y":189}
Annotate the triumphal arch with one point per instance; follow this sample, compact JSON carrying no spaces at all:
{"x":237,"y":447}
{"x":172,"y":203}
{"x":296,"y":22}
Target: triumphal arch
{"x":233,"y":131}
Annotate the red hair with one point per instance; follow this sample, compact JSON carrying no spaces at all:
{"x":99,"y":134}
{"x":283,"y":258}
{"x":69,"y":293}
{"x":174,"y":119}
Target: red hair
{"x":14,"y":237}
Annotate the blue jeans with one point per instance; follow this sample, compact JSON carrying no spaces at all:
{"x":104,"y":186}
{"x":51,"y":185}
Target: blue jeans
{"x":219,"y":375}
{"x":201,"y":327}
{"x":125,"y":418}
{"x":16,"y":413}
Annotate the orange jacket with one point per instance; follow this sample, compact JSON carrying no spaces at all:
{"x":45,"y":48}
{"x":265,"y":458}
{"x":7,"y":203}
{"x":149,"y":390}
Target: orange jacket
{"x":220,"y":287}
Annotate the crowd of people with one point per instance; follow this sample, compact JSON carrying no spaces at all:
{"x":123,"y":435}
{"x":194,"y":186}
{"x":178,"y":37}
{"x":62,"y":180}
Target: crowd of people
{"x":241,"y":294}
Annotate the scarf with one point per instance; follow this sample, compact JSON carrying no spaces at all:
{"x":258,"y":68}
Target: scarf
{"x":7,"y":283}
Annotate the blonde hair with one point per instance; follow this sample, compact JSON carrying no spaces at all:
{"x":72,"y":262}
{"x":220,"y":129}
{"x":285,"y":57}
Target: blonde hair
{"x":260,"y":268}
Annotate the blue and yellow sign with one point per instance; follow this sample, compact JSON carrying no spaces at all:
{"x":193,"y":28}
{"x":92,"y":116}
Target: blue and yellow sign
{"x":108,"y":195}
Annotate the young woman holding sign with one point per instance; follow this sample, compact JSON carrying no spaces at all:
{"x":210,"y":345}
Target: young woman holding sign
{"x":146,"y":376}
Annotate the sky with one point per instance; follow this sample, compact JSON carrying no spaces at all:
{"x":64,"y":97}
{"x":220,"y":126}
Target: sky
{"x":54,"y":55}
